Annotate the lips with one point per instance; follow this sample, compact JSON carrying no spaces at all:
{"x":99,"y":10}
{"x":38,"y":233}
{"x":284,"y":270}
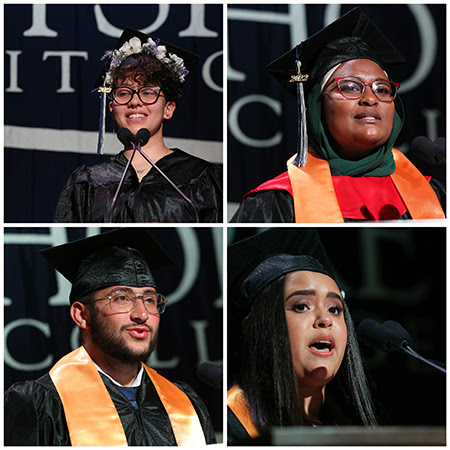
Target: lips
{"x":138,"y":332}
{"x":368,"y":115}
{"x":134,"y":116}
{"x":323,"y":345}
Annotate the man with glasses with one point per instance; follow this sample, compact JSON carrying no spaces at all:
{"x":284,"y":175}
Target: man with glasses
{"x":102,"y":393}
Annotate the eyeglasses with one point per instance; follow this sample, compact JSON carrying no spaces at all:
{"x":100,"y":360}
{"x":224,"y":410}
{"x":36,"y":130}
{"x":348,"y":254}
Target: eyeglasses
{"x":147,"y":94}
{"x":353,"y":88}
{"x":123,"y":301}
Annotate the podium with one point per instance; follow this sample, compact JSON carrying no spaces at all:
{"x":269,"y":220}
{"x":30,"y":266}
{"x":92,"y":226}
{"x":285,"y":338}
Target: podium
{"x":351,"y":435}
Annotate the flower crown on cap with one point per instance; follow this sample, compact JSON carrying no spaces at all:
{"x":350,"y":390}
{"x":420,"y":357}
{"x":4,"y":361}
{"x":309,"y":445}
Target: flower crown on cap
{"x":151,"y":47}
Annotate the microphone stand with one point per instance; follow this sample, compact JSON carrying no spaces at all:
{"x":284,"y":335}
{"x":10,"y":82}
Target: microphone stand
{"x":136,"y":141}
{"x":407,"y":349}
{"x":121,"y":180}
{"x":168,"y":179}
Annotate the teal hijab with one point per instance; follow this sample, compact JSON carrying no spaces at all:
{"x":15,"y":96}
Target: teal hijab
{"x":378,"y":164}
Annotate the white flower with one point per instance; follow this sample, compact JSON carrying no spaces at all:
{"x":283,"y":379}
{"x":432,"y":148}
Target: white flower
{"x":126,"y":47}
{"x":135,"y":44}
{"x":161,"y":49}
{"x":178,"y":61}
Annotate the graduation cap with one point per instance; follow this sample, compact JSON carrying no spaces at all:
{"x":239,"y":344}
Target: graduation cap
{"x":121,"y":257}
{"x":255,"y":262}
{"x":129,"y":55}
{"x":131,"y":45}
{"x":352,"y":36}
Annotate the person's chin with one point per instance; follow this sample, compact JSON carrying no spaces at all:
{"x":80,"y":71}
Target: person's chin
{"x":322,"y":374}
{"x":139,"y":354}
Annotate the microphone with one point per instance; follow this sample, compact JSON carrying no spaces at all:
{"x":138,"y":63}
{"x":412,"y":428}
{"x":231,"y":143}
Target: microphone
{"x":125,"y":136}
{"x":401,"y":338}
{"x":391,"y":336}
{"x":431,"y":152}
{"x":210,"y":374}
{"x":373,"y":333}
{"x":142,"y":137}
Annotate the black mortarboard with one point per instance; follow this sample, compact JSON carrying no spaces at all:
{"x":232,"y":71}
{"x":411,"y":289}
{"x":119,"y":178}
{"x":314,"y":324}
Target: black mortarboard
{"x":121,"y":257}
{"x":103,"y":84}
{"x":255,"y":262}
{"x":352,"y":36}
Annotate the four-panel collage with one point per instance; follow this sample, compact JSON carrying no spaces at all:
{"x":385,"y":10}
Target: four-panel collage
{"x":224,"y":224}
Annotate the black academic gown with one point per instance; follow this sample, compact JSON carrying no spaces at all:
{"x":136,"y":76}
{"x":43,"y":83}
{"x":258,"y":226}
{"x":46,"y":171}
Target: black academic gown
{"x":236,"y":433}
{"x":89,"y":192}
{"x":34,"y":415}
{"x":277,"y":205}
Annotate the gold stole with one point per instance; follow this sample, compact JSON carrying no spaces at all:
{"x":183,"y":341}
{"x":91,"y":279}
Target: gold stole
{"x":238,"y":404}
{"x":90,"y":413}
{"x":315,"y":200}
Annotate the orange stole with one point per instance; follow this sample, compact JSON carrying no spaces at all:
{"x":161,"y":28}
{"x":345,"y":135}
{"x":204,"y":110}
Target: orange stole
{"x":416,"y":192}
{"x":90,"y":413}
{"x":184,"y":420}
{"x":238,"y":404}
{"x":315,"y":200}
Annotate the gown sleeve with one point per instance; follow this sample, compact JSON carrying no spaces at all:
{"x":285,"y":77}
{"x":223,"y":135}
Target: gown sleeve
{"x":272,"y":206}
{"x":34,"y":415}
{"x":73,"y":198}
{"x":206,"y":193}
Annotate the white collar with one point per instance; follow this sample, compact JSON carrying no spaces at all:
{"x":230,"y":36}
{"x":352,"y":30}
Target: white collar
{"x":136,"y":383}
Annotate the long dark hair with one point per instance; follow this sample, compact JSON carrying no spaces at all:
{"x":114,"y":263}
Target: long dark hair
{"x":267,"y":376}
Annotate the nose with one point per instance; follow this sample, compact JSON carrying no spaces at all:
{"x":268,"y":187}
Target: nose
{"x":135,"y":100}
{"x":323,"y":320}
{"x":368,"y":97}
{"x":139,"y":313}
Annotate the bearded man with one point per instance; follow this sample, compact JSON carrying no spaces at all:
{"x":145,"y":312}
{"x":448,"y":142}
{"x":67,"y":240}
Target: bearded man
{"x":103,"y":393}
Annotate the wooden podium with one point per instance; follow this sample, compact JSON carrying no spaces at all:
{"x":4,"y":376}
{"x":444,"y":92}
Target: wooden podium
{"x":324,"y":436}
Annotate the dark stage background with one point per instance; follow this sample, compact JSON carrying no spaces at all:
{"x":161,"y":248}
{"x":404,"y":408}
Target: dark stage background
{"x":391,"y":274}
{"x":52,"y":61}
{"x":39,"y":330}
{"x":262,"y":117}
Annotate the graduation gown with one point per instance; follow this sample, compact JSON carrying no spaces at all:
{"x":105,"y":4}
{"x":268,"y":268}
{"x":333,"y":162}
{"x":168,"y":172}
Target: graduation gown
{"x":359,"y":199}
{"x":236,"y":432}
{"x":34,"y":414}
{"x":89,"y":192}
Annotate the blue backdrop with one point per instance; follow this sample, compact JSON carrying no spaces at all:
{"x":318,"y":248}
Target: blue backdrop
{"x":52,"y":60}
{"x":39,"y":330}
{"x":262,"y":115}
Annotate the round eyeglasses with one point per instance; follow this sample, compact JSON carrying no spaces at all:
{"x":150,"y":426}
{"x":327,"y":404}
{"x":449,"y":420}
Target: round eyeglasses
{"x":123,"y":301}
{"x":147,"y":94}
{"x":353,"y":88}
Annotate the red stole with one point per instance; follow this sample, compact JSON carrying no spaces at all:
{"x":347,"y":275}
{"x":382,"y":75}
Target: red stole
{"x":315,"y":199}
